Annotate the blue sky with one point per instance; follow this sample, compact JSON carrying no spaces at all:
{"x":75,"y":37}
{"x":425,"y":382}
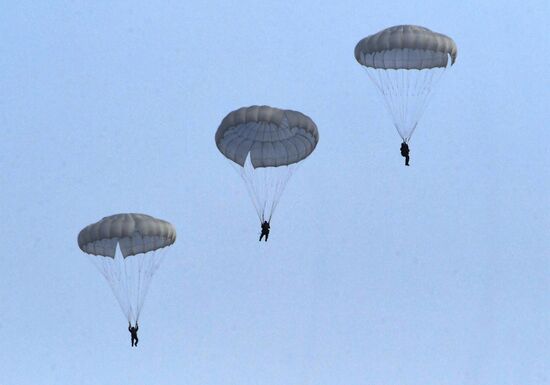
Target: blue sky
{"x":374,"y":273}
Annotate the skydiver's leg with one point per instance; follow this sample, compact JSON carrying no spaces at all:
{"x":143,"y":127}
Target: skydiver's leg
{"x":266,"y":235}
{"x":136,"y":341}
{"x":261,"y":236}
{"x":407,"y":160}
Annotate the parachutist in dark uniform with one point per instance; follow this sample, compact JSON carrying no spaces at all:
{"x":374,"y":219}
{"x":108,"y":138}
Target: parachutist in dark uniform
{"x":405,"y":152}
{"x":265,"y":230}
{"x":133,"y":331}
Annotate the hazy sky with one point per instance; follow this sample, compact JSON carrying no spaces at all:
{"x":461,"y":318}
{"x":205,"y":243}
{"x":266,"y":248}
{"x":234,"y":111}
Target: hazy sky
{"x":374,"y":273}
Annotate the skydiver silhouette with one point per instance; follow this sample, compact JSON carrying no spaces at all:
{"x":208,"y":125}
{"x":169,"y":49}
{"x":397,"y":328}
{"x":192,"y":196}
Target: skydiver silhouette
{"x":265,"y":230}
{"x":133,"y":332}
{"x":405,"y":152}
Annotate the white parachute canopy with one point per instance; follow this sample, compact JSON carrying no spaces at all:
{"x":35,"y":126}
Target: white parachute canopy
{"x":140,"y":240}
{"x":405,"y":62}
{"x":265,"y":145}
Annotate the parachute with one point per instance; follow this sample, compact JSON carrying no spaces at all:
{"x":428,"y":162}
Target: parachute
{"x":140,"y":239}
{"x":265,"y":144}
{"x":405,"y":62}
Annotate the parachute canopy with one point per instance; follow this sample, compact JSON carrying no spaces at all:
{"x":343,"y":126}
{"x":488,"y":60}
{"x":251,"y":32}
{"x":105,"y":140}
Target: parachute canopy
{"x":406,"y":47}
{"x":136,"y":233}
{"x":273,"y":137}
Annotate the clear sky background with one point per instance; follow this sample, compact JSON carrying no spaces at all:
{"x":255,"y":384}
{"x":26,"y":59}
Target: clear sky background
{"x":374,"y":273}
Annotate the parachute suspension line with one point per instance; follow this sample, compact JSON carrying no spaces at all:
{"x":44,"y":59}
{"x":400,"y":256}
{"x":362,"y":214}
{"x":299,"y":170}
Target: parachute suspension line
{"x":392,"y":80}
{"x":135,"y":278}
{"x":378,"y":83}
{"x":134,"y":281}
{"x":400,"y":91}
{"x":406,"y":93}
{"x":393,"y":93}
{"x":436,"y":73}
{"x":397,"y":77}
{"x":107,"y":266}
{"x":404,"y":124}
{"x":103,"y":265}
{"x":419,"y":93}
{"x":265,"y":186}
{"x":275,"y":199}
{"x":407,"y":89}
{"x":144,"y":281}
{"x":144,"y":276}
{"x":280,"y":187}
{"x":140,"y":282}
{"x":140,"y":265}
{"x":421,"y":77}
{"x":386,"y":87}
{"x":150,"y":270}
{"x":153,"y":265}
{"x":271,"y":187}
{"x":262,"y":173}
{"x":119,"y":281}
{"x":252,"y":192}
{"x":405,"y":104}
{"x":422,"y":91}
{"x":128,"y":289}
{"x":148,"y":265}
{"x":411,"y":102}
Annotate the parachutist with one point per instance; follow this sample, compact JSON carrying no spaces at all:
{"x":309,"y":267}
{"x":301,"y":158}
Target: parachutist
{"x":133,"y":332}
{"x":405,"y":152}
{"x":124,"y":247}
{"x":265,"y":230}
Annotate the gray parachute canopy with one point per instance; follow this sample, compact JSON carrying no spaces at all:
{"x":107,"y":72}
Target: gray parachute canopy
{"x":406,"y":47}
{"x":273,"y":137}
{"x":135,"y":233}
